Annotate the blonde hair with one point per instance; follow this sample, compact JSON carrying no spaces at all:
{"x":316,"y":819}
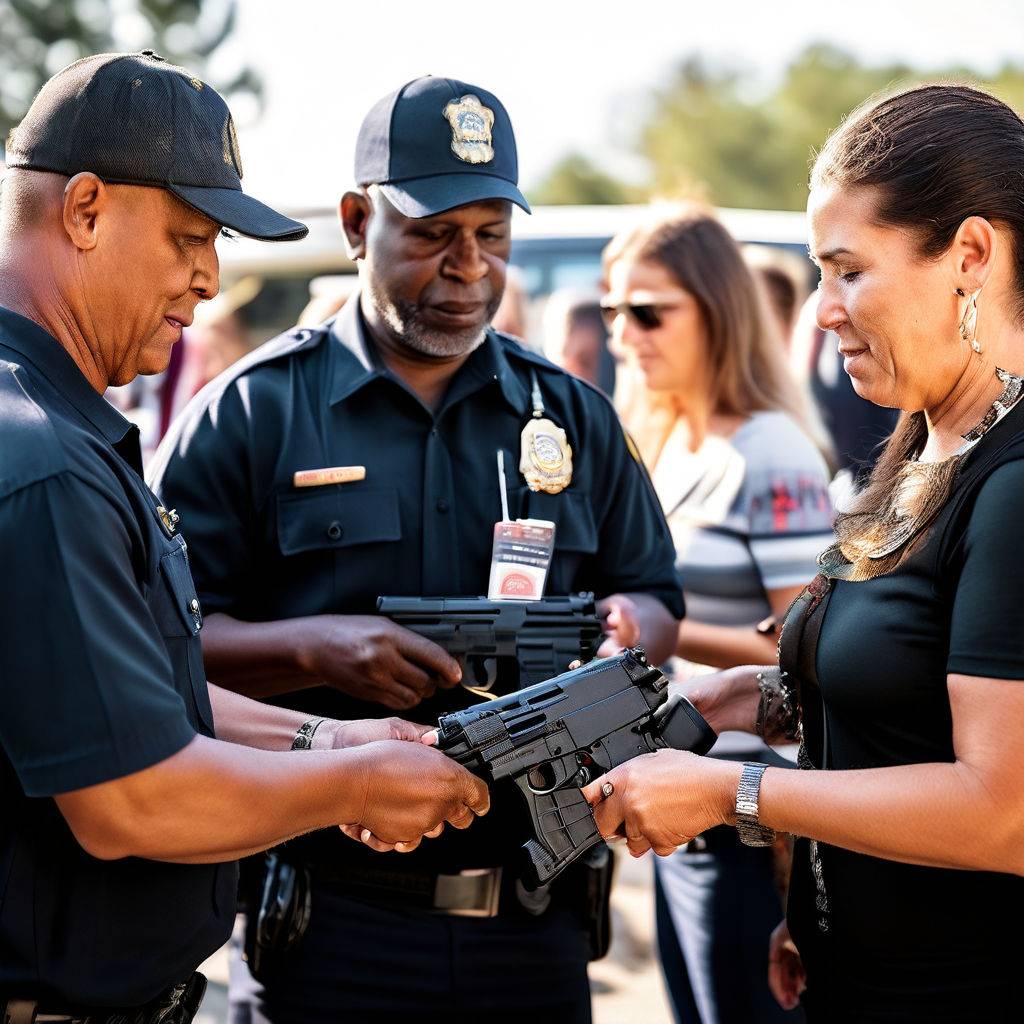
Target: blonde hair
{"x":748,"y":370}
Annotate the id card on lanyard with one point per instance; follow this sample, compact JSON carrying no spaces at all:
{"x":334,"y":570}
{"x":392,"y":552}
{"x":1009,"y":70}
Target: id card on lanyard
{"x":520,"y":554}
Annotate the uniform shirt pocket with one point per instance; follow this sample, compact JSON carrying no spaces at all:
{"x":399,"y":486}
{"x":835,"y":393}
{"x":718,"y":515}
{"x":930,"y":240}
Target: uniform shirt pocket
{"x":572,"y":515}
{"x":337,"y":519}
{"x":177,"y":607}
{"x":179,"y":618}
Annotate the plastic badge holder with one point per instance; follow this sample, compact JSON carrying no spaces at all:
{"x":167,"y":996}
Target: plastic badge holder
{"x":520,"y":559}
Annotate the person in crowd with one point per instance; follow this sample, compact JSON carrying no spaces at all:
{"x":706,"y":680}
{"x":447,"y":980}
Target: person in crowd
{"x":901,"y":666}
{"x":783,"y":277}
{"x":129,"y":786}
{"x":327,"y":294}
{"x":399,"y":407}
{"x":729,"y":443}
{"x":512,"y":315}
{"x":576,"y":338}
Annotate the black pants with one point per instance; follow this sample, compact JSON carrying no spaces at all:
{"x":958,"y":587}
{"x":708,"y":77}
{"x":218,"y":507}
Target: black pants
{"x":358,"y":962}
{"x":715,"y":912}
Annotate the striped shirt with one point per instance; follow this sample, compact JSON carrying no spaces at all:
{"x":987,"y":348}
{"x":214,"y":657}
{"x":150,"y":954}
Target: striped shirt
{"x":748,"y":514}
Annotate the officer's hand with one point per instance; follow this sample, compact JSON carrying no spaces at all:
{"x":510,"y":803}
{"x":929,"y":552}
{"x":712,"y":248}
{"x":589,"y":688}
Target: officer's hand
{"x":365,"y":836}
{"x":369,"y":730}
{"x":621,"y":623}
{"x":411,"y":791}
{"x":374,"y":659}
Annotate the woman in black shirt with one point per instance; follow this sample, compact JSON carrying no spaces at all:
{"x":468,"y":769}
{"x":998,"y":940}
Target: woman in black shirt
{"x":902,"y":664}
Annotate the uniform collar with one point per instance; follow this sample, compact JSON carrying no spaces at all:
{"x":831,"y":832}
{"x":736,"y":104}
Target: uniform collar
{"x":49,"y":357}
{"x":488,"y":363}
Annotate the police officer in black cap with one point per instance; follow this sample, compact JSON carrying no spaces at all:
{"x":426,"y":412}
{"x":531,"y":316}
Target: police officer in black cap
{"x":127,"y":786}
{"x":358,"y":460}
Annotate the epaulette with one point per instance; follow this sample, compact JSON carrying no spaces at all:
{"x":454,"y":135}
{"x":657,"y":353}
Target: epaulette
{"x":296,"y":339}
{"x":30,"y":450}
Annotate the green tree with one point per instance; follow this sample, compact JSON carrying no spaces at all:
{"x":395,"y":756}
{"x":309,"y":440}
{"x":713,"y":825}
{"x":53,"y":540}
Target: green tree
{"x":755,"y":152}
{"x":38,"y":38}
{"x":575,"y":180}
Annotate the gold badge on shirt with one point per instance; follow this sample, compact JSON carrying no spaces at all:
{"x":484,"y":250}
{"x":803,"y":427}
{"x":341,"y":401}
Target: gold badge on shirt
{"x":471,"y":125}
{"x":546,"y":460}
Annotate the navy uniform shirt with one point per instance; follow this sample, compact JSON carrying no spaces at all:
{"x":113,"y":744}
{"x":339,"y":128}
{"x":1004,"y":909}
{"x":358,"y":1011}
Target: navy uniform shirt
{"x":101,"y":675}
{"x":420,"y":523}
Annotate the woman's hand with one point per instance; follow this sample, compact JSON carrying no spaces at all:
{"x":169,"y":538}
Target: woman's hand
{"x":786,"y":977}
{"x":661,"y":801}
{"x":727,"y":699}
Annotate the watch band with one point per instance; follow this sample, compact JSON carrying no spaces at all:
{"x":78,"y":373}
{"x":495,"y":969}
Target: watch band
{"x":304,"y":737}
{"x":748,"y":827}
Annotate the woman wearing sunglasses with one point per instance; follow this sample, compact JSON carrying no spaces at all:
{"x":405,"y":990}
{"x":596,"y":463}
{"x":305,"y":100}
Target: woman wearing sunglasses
{"x":903,"y":662}
{"x":729,"y":442}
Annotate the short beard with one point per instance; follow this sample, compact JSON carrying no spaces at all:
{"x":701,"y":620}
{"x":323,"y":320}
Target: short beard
{"x":402,"y":320}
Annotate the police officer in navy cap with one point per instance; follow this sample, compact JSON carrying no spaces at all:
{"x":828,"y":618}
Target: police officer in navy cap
{"x":359,"y":459}
{"x":128,"y":787}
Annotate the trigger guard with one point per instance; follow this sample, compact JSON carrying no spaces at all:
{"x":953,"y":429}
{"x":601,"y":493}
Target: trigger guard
{"x":547,"y":789}
{"x":484,"y":672}
{"x":491,"y":668}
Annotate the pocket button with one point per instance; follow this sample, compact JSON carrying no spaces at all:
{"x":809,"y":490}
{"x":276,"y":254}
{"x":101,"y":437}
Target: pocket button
{"x":334,"y":531}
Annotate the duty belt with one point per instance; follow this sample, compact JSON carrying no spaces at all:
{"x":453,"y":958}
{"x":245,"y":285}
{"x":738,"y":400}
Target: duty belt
{"x":475,"y":892}
{"x":178,"y":1005}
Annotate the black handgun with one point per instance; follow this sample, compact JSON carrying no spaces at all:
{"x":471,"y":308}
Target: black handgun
{"x":554,"y":737}
{"x":509,"y":643}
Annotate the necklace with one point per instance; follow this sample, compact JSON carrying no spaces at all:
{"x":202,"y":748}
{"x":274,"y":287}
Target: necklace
{"x":918,"y":478}
{"x":922,"y":490}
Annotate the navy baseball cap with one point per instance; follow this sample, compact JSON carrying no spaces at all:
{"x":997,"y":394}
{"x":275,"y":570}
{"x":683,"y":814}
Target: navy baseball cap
{"x":135,"y":119}
{"x":436,"y":144}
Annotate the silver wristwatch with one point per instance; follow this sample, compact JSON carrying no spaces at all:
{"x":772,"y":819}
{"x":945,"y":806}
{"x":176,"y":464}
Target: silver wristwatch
{"x":748,"y":828}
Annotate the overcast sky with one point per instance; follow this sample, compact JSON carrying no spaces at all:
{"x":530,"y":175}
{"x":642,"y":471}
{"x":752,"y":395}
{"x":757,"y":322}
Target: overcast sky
{"x":573,"y":74}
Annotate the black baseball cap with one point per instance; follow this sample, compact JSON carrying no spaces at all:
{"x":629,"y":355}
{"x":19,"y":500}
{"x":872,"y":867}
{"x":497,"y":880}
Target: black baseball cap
{"x":435,"y":144}
{"x":135,"y":119}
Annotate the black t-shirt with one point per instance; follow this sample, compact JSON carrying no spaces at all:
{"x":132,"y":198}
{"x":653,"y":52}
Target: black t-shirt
{"x":420,"y":523}
{"x":906,"y":942}
{"x":101,"y":675}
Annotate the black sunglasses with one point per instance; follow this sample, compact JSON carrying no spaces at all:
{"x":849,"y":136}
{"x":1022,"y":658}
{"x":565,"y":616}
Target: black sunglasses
{"x":646,"y":315}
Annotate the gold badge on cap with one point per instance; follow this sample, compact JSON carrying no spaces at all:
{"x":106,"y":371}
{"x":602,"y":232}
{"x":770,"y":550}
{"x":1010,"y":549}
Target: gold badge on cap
{"x":546,"y":460}
{"x":471,"y":125}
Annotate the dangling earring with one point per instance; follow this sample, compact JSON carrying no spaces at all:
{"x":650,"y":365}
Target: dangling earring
{"x":969,"y":321}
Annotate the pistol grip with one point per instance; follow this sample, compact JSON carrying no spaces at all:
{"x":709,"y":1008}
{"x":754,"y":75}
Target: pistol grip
{"x":564,"y":829}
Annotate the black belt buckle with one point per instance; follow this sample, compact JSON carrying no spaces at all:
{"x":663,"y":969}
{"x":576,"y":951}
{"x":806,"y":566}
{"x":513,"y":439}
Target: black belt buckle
{"x":475,"y":892}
